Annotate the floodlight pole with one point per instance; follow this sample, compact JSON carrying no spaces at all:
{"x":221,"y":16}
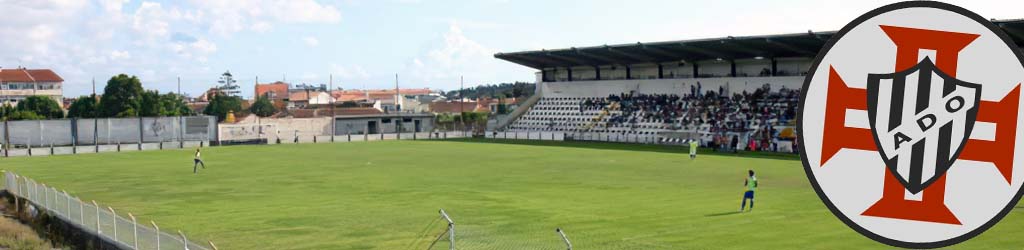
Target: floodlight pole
{"x":462,"y":118}
{"x":181,"y":129}
{"x":259,"y":124}
{"x":330,"y":99}
{"x":398,"y":106}
{"x":451,"y":229}
{"x":564,"y":238}
{"x":95,"y":118}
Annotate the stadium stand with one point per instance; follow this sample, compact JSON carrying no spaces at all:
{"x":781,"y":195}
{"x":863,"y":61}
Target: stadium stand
{"x":757,"y":109}
{"x":732,"y":93}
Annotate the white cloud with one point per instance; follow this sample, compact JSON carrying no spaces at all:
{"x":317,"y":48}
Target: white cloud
{"x":229,"y":16}
{"x":454,"y":55}
{"x":260,"y":26}
{"x":311,"y":41}
{"x":119,"y":55}
{"x":82,"y":39}
{"x":304,"y":11}
{"x":113,"y":6}
{"x":152,"y":21}
{"x":354,"y":72}
{"x":198,"y":49}
{"x":204,"y":46}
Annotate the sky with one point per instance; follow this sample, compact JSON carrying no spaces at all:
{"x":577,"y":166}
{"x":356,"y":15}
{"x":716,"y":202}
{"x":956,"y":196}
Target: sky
{"x":365,"y":44}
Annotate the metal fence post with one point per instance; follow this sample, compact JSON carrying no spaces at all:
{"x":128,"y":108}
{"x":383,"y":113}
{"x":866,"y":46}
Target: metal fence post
{"x":7,"y":139}
{"x":81,"y":211}
{"x":565,"y":239}
{"x":183,"y":239}
{"x":181,"y":135}
{"x":17,"y":205}
{"x":46,"y":198}
{"x":28,"y":188}
{"x":141,"y":133}
{"x":451,"y":229}
{"x":114,"y":217}
{"x":69,"y":204}
{"x":53,"y":205}
{"x":157,"y":234}
{"x":135,"y":230}
{"x":97,"y":206}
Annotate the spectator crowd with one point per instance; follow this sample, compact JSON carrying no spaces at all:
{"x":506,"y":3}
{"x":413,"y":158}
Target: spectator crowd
{"x":752,"y":114}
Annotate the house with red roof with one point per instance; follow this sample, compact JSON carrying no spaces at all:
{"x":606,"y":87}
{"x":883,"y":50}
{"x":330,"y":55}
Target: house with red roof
{"x":18,"y":83}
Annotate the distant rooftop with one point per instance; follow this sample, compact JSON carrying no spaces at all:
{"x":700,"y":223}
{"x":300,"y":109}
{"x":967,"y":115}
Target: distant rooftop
{"x":29,"y":75}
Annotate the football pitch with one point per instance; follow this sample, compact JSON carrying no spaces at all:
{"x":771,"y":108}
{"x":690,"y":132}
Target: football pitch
{"x":502,"y":195}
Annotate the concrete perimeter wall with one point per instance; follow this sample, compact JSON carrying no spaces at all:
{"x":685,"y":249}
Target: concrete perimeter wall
{"x":69,"y":132}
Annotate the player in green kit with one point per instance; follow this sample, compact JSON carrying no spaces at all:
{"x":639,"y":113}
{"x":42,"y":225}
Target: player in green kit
{"x":751,"y":184}
{"x":197,"y":162}
{"x":693,"y":149}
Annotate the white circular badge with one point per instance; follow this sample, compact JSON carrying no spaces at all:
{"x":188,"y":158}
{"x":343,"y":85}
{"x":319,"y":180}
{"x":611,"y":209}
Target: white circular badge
{"x":909,"y":124}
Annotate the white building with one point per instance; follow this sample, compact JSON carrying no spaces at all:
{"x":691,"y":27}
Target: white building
{"x":17,"y":84}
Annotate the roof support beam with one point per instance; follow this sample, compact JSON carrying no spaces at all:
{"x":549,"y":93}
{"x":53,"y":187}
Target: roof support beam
{"x":603,"y":59}
{"x":816,"y":35}
{"x":634,"y":56}
{"x":704,"y":51}
{"x":664,"y":53}
{"x":789,"y":47}
{"x":571,"y":61}
{"x":536,"y":60}
{"x":523,"y":62}
{"x":736,"y":45}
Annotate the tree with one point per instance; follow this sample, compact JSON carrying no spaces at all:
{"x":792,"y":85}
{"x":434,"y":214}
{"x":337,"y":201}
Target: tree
{"x":174,"y":105}
{"x":122,"y":97}
{"x":509,"y":90}
{"x":6,"y":110}
{"x":227,"y":84}
{"x":263,"y":107}
{"x":42,"y":106}
{"x":83,"y":107}
{"x":221,"y":104}
{"x":151,"y":105}
{"x":477,"y":121}
{"x":502,"y":108}
{"x":24,"y":115}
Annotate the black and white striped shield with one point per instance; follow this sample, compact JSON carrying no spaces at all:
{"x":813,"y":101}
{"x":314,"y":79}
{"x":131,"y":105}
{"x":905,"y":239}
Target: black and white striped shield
{"x":920,"y":118}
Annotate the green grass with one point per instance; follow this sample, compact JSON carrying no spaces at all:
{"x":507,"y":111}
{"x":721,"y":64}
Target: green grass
{"x":385,"y":195}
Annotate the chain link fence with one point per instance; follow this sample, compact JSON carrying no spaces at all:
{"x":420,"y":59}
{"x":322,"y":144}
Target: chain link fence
{"x":96,"y":219}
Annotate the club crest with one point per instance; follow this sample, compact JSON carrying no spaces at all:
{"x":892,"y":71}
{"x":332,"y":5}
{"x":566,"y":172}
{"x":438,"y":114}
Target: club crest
{"x":921,"y":119}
